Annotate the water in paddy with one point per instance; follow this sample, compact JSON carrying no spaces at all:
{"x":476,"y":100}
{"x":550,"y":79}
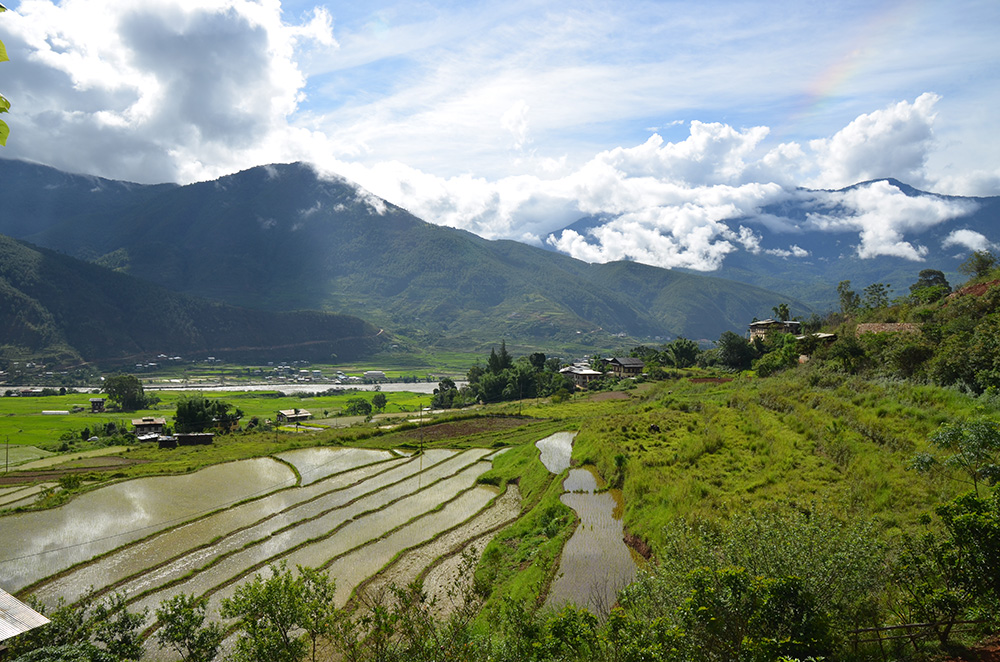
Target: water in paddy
{"x":36,"y":545}
{"x":595,"y":561}
{"x":175,"y":552}
{"x":315,"y":464}
{"x":556,"y":450}
{"x":351,"y":569}
{"x":351,"y":523}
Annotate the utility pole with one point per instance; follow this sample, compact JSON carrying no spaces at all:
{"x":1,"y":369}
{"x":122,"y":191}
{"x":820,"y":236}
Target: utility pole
{"x":6,"y":462}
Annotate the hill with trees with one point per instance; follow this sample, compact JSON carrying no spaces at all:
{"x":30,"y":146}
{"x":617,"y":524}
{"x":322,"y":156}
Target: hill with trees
{"x":62,"y":311}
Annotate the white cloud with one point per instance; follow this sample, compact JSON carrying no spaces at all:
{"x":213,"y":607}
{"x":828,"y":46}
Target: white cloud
{"x":883,"y":214}
{"x":892,"y":142}
{"x":969,"y":239}
{"x":515,"y":120}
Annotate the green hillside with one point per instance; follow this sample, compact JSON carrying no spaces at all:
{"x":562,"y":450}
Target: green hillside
{"x":281,"y":238}
{"x":56,"y":309}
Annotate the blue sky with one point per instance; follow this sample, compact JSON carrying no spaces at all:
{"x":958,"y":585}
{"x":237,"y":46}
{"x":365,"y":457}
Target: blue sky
{"x":513,"y":119}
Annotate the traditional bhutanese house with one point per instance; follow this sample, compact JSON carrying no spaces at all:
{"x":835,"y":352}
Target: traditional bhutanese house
{"x":148,"y":426}
{"x":763,"y":328}
{"x":581,"y":375}
{"x":97,"y":405}
{"x":884,"y":327}
{"x":293,"y":415}
{"x":16,"y":617}
{"x":626,"y":366}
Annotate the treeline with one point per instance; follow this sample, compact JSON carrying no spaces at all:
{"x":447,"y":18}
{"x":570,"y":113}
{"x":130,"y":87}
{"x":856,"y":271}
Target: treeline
{"x":504,"y":379}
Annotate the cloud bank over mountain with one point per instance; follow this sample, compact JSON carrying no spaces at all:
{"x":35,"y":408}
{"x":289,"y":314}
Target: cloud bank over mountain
{"x":515,"y":120}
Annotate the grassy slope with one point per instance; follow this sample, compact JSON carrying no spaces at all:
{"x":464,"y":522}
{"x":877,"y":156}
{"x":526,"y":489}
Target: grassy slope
{"x":800,"y":439}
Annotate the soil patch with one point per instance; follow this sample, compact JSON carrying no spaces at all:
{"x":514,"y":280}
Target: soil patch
{"x":452,"y":429}
{"x":76,"y":467}
{"x":710,"y":380}
{"x":609,"y":395}
{"x":987,"y":651}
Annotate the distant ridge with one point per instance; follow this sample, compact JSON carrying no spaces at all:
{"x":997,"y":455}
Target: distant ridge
{"x":280,"y":237}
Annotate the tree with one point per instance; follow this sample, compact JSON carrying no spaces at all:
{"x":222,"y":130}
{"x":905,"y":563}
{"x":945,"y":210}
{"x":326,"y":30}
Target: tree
{"x":849,"y":299}
{"x":379,"y":401}
{"x":319,"y":612}
{"x":497,"y":363}
{"x":781,"y":312}
{"x":979,"y":264}
{"x":358,"y":407}
{"x":182,"y":628}
{"x":734,"y":352}
{"x":268,"y":613}
{"x":126,"y":390}
{"x":197,"y":414}
{"x":975,"y":449}
{"x":931,"y":285}
{"x":681,"y":353}
{"x":877,"y":296}
{"x":4,"y":104}
{"x":118,"y":629}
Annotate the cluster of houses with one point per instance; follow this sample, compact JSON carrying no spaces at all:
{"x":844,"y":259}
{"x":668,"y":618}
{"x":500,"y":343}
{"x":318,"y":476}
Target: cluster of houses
{"x":622,"y":367}
{"x":151,"y":428}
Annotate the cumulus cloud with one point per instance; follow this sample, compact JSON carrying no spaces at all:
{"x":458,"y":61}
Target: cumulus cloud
{"x":883,"y":214}
{"x":891,"y":142}
{"x":155,"y":89}
{"x":968,"y":239}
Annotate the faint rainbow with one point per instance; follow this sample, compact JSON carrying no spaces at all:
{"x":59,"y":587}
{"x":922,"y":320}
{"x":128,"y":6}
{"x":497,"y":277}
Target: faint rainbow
{"x":858,"y":56}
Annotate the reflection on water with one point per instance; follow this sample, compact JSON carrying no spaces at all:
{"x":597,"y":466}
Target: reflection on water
{"x":556,"y":450}
{"x":595,"y":562}
{"x":317,"y":463}
{"x":35,"y":545}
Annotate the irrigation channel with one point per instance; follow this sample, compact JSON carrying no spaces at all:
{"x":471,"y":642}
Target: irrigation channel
{"x":595,"y":563}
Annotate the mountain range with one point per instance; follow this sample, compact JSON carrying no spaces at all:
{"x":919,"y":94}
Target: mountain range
{"x":281,"y":238}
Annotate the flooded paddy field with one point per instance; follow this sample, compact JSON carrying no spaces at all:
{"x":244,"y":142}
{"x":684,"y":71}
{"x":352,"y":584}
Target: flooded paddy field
{"x":369,"y":517}
{"x":353,"y":511}
{"x":595,"y":562}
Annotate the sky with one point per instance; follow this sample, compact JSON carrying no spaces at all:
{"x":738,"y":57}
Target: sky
{"x":667,"y":120}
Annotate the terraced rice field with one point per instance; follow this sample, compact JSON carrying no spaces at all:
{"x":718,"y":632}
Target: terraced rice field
{"x":595,"y":562}
{"x":350,"y":511}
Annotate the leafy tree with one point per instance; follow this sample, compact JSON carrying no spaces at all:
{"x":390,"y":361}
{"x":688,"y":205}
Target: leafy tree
{"x":183,"y":628}
{"x":681,"y":353}
{"x":268,"y":613}
{"x":319,"y":612}
{"x":358,"y":407}
{"x":537,"y":360}
{"x":877,"y":296}
{"x":4,"y":104}
{"x":118,"y":629}
{"x":931,"y":286}
{"x":379,"y":401}
{"x":781,"y":312}
{"x":734,"y":352}
{"x":197,"y":414}
{"x":849,"y":299}
{"x":126,"y":390}
{"x":975,"y":449}
{"x":979,"y":264}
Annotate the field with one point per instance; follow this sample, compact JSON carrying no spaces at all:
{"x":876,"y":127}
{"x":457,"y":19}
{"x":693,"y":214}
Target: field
{"x":377,"y":505}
